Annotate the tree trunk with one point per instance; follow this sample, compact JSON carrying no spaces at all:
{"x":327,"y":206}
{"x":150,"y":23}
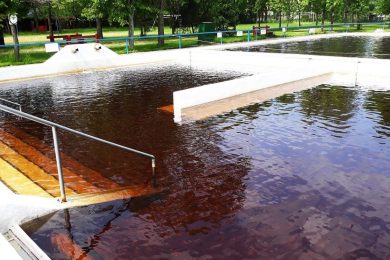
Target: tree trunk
{"x":16,"y":42}
{"x":50,"y":23}
{"x":173,"y":25}
{"x":36,"y":21}
{"x":323,"y":20}
{"x":288,"y":17}
{"x":316,"y":18}
{"x":99,"y":28}
{"x":359,"y":26}
{"x":131,"y":29}
{"x":331,"y":21}
{"x":266,"y":15}
{"x":2,"y":42}
{"x":299,"y":18}
{"x":280,"y":19}
{"x":161,"y":23}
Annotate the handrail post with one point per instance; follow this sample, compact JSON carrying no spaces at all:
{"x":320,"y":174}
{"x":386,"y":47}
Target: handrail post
{"x":59,"y":164}
{"x":154,"y":181}
{"x":127,"y":45}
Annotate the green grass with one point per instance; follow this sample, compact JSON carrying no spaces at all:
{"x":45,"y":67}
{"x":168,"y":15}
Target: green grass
{"x":37,"y":54}
{"x":27,"y":56}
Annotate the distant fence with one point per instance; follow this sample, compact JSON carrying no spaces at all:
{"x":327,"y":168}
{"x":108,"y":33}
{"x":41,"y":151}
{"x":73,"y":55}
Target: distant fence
{"x":146,"y":43}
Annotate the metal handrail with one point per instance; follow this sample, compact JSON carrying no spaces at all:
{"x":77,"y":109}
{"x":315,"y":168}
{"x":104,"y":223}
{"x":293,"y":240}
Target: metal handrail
{"x":56,"y":126}
{"x":12,"y":103}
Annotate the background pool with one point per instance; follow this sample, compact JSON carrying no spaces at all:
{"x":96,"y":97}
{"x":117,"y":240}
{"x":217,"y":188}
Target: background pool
{"x":303,"y":175}
{"x":347,"y":46}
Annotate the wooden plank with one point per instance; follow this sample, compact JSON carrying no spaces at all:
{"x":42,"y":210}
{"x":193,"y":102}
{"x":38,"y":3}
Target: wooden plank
{"x":72,"y":180}
{"x":32,"y":171}
{"x":19,"y":183}
{"x":68,"y":162}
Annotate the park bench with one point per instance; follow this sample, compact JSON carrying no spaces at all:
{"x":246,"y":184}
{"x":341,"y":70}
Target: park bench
{"x":73,"y":38}
{"x":257,"y":30}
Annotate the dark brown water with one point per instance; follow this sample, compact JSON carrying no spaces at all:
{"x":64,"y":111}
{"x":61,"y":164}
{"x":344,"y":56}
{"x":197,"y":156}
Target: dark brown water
{"x":348,"y":46}
{"x":304,"y":175}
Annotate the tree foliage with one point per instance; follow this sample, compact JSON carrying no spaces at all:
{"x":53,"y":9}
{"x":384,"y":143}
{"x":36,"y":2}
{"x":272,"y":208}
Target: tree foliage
{"x":189,"y":13}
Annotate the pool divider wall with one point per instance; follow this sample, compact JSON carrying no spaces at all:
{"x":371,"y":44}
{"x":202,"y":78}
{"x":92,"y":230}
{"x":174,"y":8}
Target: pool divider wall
{"x":214,"y":92}
{"x":228,"y":104}
{"x":273,"y":69}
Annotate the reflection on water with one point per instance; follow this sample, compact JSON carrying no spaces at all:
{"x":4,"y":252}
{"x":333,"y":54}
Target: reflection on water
{"x":347,"y":46}
{"x":303,"y":175}
{"x":119,"y":105}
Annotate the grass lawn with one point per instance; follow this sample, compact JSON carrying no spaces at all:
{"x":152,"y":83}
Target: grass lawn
{"x":37,"y":54}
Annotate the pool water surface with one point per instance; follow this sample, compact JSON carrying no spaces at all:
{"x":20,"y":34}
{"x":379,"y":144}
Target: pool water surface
{"x":303,"y":175}
{"x":346,"y":46}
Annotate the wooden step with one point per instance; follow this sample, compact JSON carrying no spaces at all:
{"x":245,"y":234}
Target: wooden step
{"x":72,"y":180}
{"x":32,"y":171}
{"x":18,"y":182}
{"x":116,"y":194}
{"x":68,"y":162}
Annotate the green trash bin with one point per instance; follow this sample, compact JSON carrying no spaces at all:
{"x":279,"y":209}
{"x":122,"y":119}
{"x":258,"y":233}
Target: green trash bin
{"x":206,"y":27}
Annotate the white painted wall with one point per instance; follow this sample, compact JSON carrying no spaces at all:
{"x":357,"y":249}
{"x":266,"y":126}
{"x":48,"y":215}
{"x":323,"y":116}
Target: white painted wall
{"x":7,"y":251}
{"x":213,"y":92}
{"x":86,"y":59}
{"x":272,"y":69}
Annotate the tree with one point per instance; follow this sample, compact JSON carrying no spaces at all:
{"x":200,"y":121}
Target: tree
{"x":161,"y":6}
{"x":3,"y":6}
{"x":19,"y":7}
{"x":174,"y":7}
{"x":384,"y":6}
{"x":97,"y":9}
{"x":300,"y":6}
{"x":333,"y":7}
{"x":190,"y":14}
{"x":361,"y":8}
{"x":261,"y":7}
{"x":71,"y":10}
{"x":278,"y":6}
{"x":225,"y":13}
{"x":123,"y":12}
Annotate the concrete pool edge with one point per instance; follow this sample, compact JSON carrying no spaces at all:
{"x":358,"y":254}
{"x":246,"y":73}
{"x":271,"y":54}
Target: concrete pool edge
{"x":16,"y":210}
{"x":66,"y":64}
{"x":105,"y":59}
{"x":294,"y":39}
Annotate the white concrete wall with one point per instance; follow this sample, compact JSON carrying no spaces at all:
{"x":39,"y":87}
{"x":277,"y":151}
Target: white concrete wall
{"x":272,"y":69}
{"x":86,"y":59}
{"x":17,"y":209}
{"x":213,"y":92}
{"x":7,"y":251}
{"x":294,"y":39}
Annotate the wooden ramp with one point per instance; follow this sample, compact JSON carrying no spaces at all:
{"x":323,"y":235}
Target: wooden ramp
{"x":26,"y":168}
